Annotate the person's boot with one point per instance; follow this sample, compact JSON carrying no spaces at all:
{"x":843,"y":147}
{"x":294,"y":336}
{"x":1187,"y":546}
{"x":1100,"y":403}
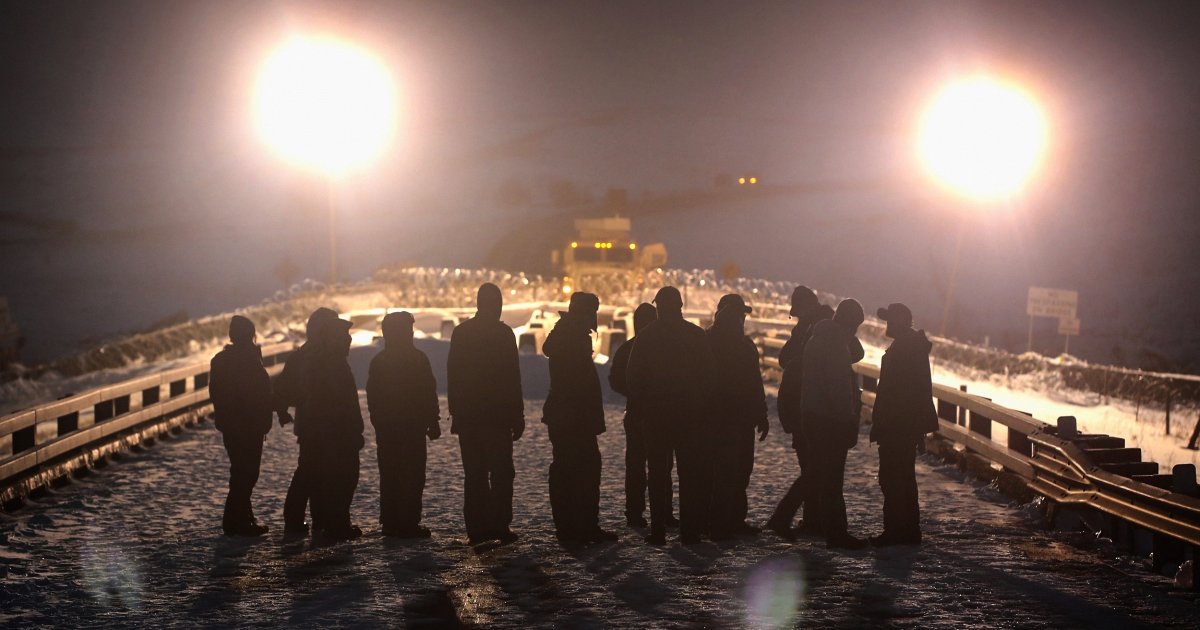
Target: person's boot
{"x":295,"y":529}
{"x":745,"y":529}
{"x":601,"y":535}
{"x":507,"y":536}
{"x":252,"y":530}
{"x":636,"y":521}
{"x":783,"y":530}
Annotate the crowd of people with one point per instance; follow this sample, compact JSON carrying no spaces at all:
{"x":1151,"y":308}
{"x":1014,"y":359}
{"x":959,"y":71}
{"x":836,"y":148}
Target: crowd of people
{"x":696,"y":404}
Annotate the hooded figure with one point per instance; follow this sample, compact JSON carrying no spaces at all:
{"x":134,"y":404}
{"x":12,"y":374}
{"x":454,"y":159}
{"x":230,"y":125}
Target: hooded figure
{"x":671,"y":373}
{"x":808,"y":312}
{"x":331,"y":421}
{"x":488,"y":413}
{"x":290,"y":392}
{"x":636,"y":457}
{"x":902,"y":415}
{"x":830,"y":405}
{"x":739,"y":408}
{"x":403,"y":403}
{"x":574,"y":414}
{"x":241,"y":395}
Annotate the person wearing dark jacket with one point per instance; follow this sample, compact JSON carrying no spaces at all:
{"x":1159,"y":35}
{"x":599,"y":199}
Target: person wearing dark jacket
{"x":636,"y":459}
{"x":331,"y":425}
{"x":902,"y":415}
{"x":671,"y":373}
{"x":807,"y":311}
{"x":487,"y":413}
{"x":289,"y":392}
{"x":241,"y":395}
{"x":739,"y":408}
{"x":403,"y":403}
{"x":574,"y":416}
{"x":830,"y":406}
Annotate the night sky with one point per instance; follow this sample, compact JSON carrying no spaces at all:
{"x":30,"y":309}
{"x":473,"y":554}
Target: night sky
{"x":135,"y":185}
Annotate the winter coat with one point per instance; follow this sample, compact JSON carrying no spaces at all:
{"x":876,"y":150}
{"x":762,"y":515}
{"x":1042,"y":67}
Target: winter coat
{"x":575,"y":403}
{"x":671,"y":372}
{"x":788,"y":399}
{"x":484,"y":377}
{"x":830,"y":398}
{"x":330,"y":411}
{"x":289,"y":385}
{"x":401,"y":393}
{"x":738,"y":396}
{"x":618,"y":369}
{"x":241,"y":391}
{"x":904,"y":399}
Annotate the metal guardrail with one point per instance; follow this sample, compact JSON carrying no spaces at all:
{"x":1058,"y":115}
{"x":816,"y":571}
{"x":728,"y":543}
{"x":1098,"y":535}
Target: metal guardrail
{"x":1053,"y":461}
{"x":48,"y":435}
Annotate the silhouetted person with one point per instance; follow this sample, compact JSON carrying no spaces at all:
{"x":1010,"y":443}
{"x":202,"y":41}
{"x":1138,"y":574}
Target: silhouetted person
{"x":739,"y":408}
{"x":574,"y":416}
{"x":670,"y":376}
{"x":487,"y":413}
{"x":902,"y":415}
{"x":636,"y":459}
{"x":332,"y":427}
{"x":241,"y":397}
{"x":289,"y":391}
{"x":403,"y":402}
{"x":807,"y":311}
{"x":830,"y":406}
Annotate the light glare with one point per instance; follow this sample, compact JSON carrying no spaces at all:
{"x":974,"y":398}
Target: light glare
{"x":326,"y":104}
{"x":983,"y":138}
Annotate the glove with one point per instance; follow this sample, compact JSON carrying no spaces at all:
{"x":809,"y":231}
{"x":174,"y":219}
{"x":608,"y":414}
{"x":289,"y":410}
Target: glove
{"x":518,"y":430}
{"x":434,"y":431}
{"x":285,"y":418}
{"x":763,"y":428}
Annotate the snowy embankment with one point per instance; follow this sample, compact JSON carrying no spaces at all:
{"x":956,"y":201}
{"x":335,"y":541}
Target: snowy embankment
{"x":139,"y":544}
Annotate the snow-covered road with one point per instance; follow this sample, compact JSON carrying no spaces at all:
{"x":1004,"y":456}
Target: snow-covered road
{"x":138,"y":543}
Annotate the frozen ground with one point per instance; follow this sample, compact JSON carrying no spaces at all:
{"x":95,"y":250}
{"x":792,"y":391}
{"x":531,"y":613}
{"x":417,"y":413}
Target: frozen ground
{"x":138,"y":543}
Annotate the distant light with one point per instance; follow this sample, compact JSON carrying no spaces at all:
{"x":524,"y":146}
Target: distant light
{"x":597,"y":245}
{"x":741,"y":180}
{"x":633,"y":246}
{"x":983,"y":138}
{"x":574,"y":244}
{"x":326,"y":104}
{"x":566,"y":289}
{"x":753,"y":180}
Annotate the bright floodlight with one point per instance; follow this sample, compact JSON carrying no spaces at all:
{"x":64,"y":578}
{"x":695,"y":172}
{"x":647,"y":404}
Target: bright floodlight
{"x":326,"y":104}
{"x":982,"y":137}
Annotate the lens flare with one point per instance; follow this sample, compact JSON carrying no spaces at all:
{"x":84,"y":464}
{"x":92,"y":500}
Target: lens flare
{"x":774,"y":593}
{"x":982,"y":137}
{"x":326,"y":104}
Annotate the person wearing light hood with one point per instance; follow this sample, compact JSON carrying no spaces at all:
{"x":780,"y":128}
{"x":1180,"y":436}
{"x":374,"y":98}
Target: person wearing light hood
{"x":574,"y":414}
{"x":241,"y":395}
{"x":902,"y":415}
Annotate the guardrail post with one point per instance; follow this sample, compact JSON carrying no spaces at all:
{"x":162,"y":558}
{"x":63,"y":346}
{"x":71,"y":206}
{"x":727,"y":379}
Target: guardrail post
{"x":1067,"y":428}
{"x":962,"y":413}
{"x":1168,"y":412}
{"x":1183,"y":480}
{"x":1019,"y":442}
{"x":981,"y":424}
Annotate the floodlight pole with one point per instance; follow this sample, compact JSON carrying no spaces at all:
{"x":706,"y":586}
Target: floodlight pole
{"x":962,"y":227}
{"x":331,"y":195}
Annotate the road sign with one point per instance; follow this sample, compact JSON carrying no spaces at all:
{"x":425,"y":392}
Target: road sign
{"x":1060,"y":303}
{"x":1068,"y":326}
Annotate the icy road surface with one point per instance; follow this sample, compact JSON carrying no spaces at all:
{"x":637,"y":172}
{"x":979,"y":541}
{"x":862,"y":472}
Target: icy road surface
{"x":139,"y":544}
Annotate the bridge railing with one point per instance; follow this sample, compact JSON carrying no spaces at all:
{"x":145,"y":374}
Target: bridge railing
{"x":1092,"y":473}
{"x":49,"y":434}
